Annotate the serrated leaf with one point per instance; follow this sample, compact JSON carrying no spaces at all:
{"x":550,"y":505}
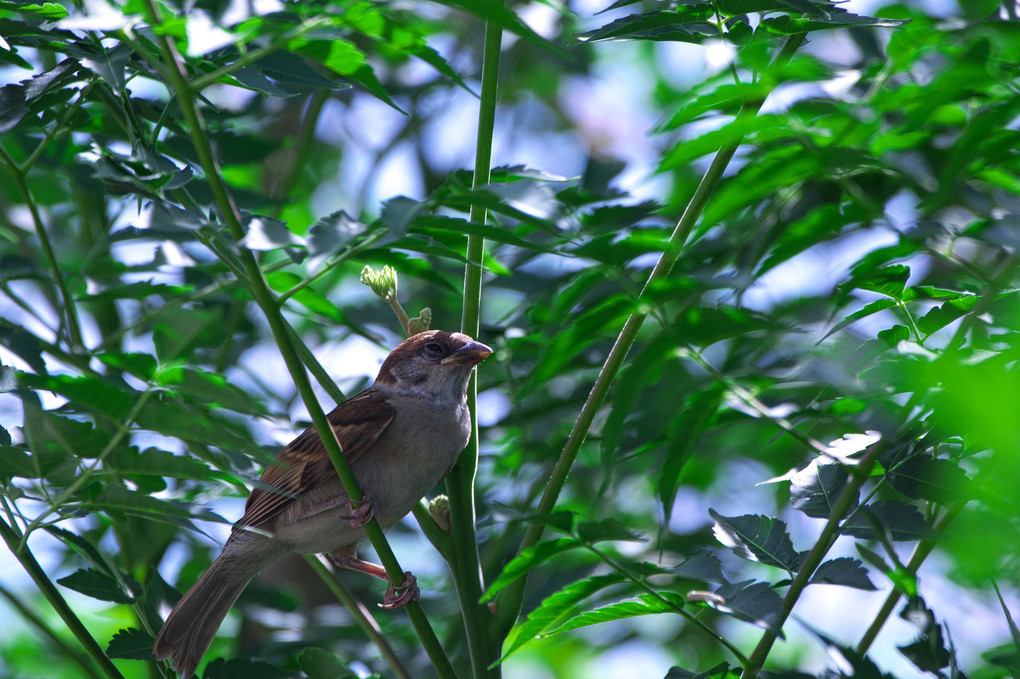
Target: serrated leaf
{"x":685,"y":24}
{"x":329,"y":235}
{"x":319,"y":663}
{"x":646,"y":604}
{"x":897,"y":520}
{"x":922,"y":477}
{"x":131,"y":644}
{"x":888,"y":280}
{"x":82,"y":546}
{"x":756,"y":537}
{"x":843,"y":571}
{"x":520,"y":565}
{"x":755,"y":603}
{"x":815,"y":489}
{"x":928,"y":652}
{"x":142,"y":366}
{"x":97,"y":585}
{"x":243,"y":668}
{"x":703,"y":566}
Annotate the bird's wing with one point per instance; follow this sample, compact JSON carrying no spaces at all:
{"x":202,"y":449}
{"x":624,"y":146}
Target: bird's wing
{"x":303,"y":464}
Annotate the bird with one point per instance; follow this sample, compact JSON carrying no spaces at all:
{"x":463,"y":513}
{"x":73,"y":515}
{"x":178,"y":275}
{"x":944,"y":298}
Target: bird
{"x":401,"y":436}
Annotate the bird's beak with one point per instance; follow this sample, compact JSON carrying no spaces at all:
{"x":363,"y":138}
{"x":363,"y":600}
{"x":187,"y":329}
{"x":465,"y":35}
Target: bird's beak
{"x":472,"y":353}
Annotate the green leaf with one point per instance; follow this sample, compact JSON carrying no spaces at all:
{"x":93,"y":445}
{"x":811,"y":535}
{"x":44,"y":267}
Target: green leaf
{"x":88,"y":393}
{"x":292,"y":72}
{"x":555,"y":607}
{"x":756,"y":537}
{"x":318,"y":663}
{"x":702,"y":566}
{"x":686,"y":432}
{"x":142,"y":366}
{"x":923,"y":477}
{"x":131,"y":644}
{"x":897,"y":521}
{"x":605,"y":530}
{"x":843,"y":571}
{"x":96,"y":585}
{"x":941,"y":316}
{"x":755,"y":603}
{"x":815,"y":489}
{"x":685,"y":24}
{"x":522,"y":564}
{"x":646,"y":604}
{"x":928,"y":652}
{"x":868,"y":310}
{"x":702,"y":326}
{"x":889,"y":281}
{"x":83,"y":547}
{"x":243,"y":668}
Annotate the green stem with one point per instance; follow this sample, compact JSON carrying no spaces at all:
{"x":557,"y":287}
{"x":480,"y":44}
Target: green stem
{"x":814,"y":558}
{"x":70,"y":311}
{"x":467,"y":574}
{"x":362,"y":618}
{"x":40,"y":624}
{"x":921,"y":552}
{"x":258,"y":287}
{"x":513,"y":597}
{"x":24,"y":555}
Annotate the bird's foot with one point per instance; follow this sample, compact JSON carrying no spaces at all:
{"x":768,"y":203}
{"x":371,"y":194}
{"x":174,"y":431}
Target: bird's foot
{"x":398,"y":597}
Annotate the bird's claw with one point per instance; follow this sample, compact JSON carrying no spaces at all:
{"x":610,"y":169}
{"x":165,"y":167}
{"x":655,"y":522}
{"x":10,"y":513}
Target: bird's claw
{"x":363,"y":513}
{"x":398,"y":597}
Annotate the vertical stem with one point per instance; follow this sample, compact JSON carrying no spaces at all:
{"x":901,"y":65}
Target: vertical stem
{"x":511,"y":599}
{"x":258,"y":287}
{"x":484,"y":646}
{"x":70,"y":311}
{"x":24,"y":555}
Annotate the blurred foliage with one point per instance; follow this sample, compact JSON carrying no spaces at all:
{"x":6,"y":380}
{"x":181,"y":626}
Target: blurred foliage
{"x":843,"y":321}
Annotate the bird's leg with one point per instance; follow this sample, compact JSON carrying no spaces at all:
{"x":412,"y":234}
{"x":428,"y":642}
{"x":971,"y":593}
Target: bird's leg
{"x":396,"y":596}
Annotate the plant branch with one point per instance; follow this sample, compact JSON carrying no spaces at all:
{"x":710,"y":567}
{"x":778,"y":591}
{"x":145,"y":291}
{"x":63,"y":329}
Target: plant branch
{"x":258,"y":287}
{"x":483,"y":642}
{"x":24,"y":556}
{"x":70,"y":311}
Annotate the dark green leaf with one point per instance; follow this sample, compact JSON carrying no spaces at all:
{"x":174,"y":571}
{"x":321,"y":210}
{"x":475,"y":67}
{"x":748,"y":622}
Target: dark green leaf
{"x":896,"y":520}
{"x":131,"y":644}
{"x":928,"y":652}
{"x":702,"y":566}
{"x":687,"y":430}
{"x":243,"y":668}
{"x":96,"y":585}
{"x":591,"y":532}
{"x":843,"y":571}
{"x":756,"y":603}
{"x":318,"y":663}
{"x":757,"y":538}
{"x":815,"y":489}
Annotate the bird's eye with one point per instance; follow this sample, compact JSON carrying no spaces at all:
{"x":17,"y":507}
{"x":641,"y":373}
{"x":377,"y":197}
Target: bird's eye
{"x":434,"y":350}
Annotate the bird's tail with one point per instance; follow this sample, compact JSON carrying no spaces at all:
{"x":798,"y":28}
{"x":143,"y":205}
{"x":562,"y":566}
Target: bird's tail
{"x":192,"y":624}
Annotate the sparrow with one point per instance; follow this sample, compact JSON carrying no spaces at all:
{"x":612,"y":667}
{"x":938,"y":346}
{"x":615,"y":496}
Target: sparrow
{"x":401,"y":436}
